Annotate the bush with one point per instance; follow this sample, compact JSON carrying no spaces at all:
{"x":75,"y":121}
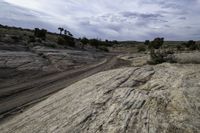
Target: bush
{"x":38,"y":40}
{"x":156,"y":43}
{"x":99,"y":43}
{"x":61,"y":41}
{"x":159,"y":56}
{"x":16,"y":38}
{"x":69,"y":40}
{"x":40,"y":33}
{"x":147,"y":42}
{"x":84,"y":42}
{"x":179,"y":47}
{"x":195,"y":47}
{"x":52,"y":45}
{"x":103,"y":48}
{"x":141,"y":48}
{"x":31,"y":39}
{"x":191,"y":45}
{"x":95,"y":43}
{"x":66,"y":40}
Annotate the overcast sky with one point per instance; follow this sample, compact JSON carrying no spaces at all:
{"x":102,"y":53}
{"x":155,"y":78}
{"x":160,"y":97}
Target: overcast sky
{"x":108,"y":19}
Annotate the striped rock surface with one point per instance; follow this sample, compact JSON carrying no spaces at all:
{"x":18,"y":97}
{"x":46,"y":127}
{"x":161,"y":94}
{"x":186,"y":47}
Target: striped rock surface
{"x":150,"y":99}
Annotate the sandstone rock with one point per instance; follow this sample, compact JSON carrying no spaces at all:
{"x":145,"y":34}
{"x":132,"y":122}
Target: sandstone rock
{"x":137,"y":60}
{"x":159,"y":99}
{"x":46,"y":59}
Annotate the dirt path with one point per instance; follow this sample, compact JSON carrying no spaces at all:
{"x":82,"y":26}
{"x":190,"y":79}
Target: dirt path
{"x":17,"y":97}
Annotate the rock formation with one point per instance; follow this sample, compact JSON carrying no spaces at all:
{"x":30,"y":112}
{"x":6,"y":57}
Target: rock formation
{"x":150,"y":99}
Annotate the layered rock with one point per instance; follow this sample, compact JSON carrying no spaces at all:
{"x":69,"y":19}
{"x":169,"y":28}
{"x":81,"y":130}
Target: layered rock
{"x":41,"y":58}
{"x":155,"y":99}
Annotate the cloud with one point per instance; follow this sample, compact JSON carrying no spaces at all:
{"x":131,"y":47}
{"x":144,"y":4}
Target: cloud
{"x":121,"y":19}
{"x":16,"y":16}
{"x":182,"y":18}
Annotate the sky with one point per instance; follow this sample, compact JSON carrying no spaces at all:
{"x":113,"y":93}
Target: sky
{"x":108,"y":19}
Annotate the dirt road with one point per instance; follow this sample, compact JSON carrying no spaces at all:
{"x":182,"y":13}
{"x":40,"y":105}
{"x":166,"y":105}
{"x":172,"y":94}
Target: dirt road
{"x":17,"y":97}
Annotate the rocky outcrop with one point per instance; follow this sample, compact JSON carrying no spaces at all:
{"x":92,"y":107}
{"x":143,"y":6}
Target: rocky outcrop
{"x":136,"y":60}
{"x":18,"y":65}
{"x":150,"y":99}
{"x":45,"y":59}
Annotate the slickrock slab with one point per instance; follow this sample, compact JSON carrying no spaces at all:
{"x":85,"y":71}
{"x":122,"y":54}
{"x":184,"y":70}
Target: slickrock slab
{"x":158,"y":99}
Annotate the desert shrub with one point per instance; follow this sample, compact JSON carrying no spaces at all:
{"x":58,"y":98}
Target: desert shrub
{"x":66,"y":40}
{"x":184,"y":44}
{"x":52,"y":45}
{"x":191,"y":45}
{"x":97,"y":43}
{"x":32,"y":39}
{"x":156,"y":43}
{"x":161,"y":56}
{"x":16,"y":38}
{"x":69,"y":41}
{"x":141,"y":48}
{"x":110,"y":43}
{"x":61,"y":41}
{"x":147,"y":42}
{"x":168,"y":51}
{"x":194,"y":47}
{"x":94,"y":42}
{"x":2,"y":36}
{"x":40,"y":33}
{"x":84,"y":41}
{"x":115,"y":42}
{"x":103,"y":48}
{"x":179,"y":47}
{"x":38,"y":40}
